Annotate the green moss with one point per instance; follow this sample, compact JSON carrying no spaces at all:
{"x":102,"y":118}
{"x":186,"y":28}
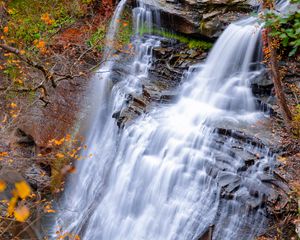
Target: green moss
{"x":192,"y":43}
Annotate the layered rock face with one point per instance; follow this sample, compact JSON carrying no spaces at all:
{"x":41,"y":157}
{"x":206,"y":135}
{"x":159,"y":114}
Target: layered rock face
{"x":207,"y":18}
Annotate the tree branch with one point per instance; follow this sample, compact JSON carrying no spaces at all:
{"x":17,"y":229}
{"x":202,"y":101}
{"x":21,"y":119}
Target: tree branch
{"x":47,"y":74}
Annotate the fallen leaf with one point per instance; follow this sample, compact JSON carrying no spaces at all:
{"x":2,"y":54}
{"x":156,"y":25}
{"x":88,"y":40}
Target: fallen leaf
{"x":60,"y":155}
{"x":11,"y":206}
{"x":23,"y":189}
{"x":2,"y":186}
{"x":21,"y":213}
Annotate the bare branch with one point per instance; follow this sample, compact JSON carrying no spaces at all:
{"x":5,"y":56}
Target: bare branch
{"x":47,"y":74}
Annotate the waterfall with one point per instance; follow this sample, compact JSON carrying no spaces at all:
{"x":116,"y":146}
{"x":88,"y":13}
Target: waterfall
{"x":162,"y":177}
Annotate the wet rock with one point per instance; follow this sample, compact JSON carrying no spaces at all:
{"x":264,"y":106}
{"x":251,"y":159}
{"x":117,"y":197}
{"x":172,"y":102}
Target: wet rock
{"x":225,"y":178}
{"x":200,"y":17}
{"x":208,"y":235}
{"x":52,"y":121}
{"x":170,"y":61}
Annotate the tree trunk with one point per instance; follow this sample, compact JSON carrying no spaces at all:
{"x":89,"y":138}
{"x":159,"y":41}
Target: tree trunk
{"x":275,"y":75}
{"x":272,"y":60}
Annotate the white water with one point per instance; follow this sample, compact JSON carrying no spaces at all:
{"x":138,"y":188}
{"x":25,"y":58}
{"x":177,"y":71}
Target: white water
{"x":154,"y":179}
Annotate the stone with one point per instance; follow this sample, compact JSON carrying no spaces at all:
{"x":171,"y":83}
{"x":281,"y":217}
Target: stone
{"x":200,"y":17}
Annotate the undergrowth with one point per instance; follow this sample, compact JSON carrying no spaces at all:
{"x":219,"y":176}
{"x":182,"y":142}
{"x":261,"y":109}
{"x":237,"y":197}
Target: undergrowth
{"x":41,"y":21}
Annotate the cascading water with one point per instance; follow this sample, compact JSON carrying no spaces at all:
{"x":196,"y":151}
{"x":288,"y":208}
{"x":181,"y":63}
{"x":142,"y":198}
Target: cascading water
{"x":163,"y":176}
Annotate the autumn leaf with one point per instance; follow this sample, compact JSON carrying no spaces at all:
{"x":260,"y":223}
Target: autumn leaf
{"x":21,"y":213}
{"x":47,"y":19}
{"x":13,"y":105}
{"x":68,"y":138}
{"x":59,"y":142}
{"x":60,"y":155}
{"x":23,"y":189}
{"x":5,"y":29}
{"x":3,"y":154}
{"x":2,"y":186}
{"x":41,"y":44}
{"x":11,"y":206}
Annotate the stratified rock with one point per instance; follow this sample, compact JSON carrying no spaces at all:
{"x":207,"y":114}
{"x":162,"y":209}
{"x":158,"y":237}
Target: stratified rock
{"x":170,"y":61}
{"x":200,"y":17}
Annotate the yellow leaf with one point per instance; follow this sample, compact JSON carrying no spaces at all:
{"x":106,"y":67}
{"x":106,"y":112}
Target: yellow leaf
{"x":282,"y":159}
{"x":60,"y":155}
{"x":23,"y":189}
{"x":50,"y":211}
{"x":59,"y":142}
{"x":13,"y":105}
{"x":22,"y":52}
{"x":11,"y":206}
{"x":2,"y":186}
{"x":21,"y":213}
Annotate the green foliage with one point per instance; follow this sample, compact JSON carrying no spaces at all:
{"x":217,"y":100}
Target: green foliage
{"x":123,"y":37}
{"x":26,"y":22}
{"x":97,"y":38}
{"x":125,"y":33}
{"x":286,"y":28}
{"x":11,"y":71}
{"x":126,"y":26}
{"x":192,"y":43}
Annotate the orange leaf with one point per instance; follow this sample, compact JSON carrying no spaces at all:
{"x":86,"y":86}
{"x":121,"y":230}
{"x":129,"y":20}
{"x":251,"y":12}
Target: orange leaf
{"x":60,"y":155}
{"x":11,"y":206}
{"x":68,"y":137}
{"x":5,"y":29}
{"x":59,"y":142}
{"x":23,"y":189}
{"x":41,"y":44}
{"x":3,"y":154}
{"x":21,"y":213}
{"x":2,"y":186}
{"x":13,"y":105}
